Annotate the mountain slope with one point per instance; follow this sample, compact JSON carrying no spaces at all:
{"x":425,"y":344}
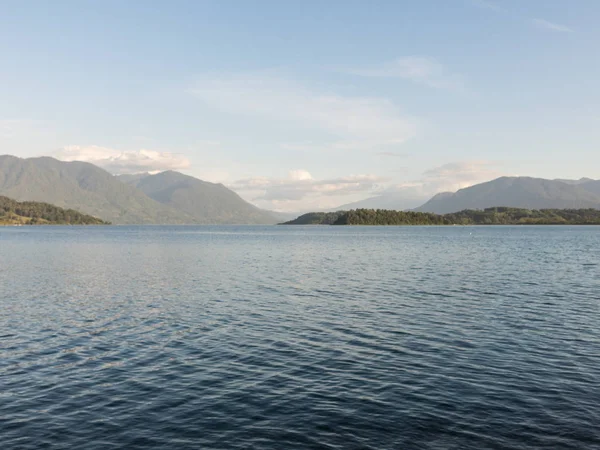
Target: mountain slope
{"x":516,"y":192}
{"x":206,"y":202}
{"x":592,"y":186}
{"x":83,"y":187}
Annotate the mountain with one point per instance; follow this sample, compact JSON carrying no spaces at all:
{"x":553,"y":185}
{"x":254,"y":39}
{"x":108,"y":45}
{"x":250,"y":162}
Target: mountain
{"x":132,"y":178}
{"x":83,"y":187}
{"x":575,"y":182}
{"x":166,"y":198}
{"x":283,"y":216}
{"x":36,"y":213}
{"x":592,"y":186}
{"x":517,"y":192}
{"x":207,"y":203}
{"x":391,"y":201}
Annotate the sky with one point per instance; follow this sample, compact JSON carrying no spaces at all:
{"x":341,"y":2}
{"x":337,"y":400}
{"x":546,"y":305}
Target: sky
{"x":306,"y":105}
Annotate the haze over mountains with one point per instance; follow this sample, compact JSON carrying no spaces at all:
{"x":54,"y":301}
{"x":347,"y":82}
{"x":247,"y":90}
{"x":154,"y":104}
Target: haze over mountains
{"x":166,"y":198}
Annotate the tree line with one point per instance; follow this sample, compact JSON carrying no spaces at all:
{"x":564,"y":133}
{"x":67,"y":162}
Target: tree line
{"x":488,"y":216}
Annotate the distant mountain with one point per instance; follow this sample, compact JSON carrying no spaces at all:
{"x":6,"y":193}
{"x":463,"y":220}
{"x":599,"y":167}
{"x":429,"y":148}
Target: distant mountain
{"x":592,"y":186}
{"x":283,"y":216}
{"x":207,"y":203}
{"x":36,"y":213}
{"x":391,"y":201}
{"x":517,"y":192}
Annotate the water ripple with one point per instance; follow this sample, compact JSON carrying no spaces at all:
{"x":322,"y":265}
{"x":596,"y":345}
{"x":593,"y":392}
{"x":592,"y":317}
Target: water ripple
{"x":324,"y":338}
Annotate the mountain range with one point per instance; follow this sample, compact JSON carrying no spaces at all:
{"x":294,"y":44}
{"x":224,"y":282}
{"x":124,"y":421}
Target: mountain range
{"x":164,"y":198}
{"x":518,"y":192}
{"x":174,"y":198}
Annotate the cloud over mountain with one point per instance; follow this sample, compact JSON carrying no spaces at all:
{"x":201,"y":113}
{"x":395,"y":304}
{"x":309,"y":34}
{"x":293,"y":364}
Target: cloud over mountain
{"x":458,"y":175}
{"x":122,"y":162}
{"x":299,"y":188}
{"x":412,"y":193}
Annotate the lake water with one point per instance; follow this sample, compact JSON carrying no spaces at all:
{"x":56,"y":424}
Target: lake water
{"x":300,"y":337}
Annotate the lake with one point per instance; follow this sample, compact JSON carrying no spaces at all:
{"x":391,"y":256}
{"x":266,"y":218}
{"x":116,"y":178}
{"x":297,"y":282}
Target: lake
{"x":300,"y":337}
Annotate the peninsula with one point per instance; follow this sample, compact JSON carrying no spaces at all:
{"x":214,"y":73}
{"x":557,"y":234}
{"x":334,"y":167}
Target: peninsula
{"x":488,"y":216}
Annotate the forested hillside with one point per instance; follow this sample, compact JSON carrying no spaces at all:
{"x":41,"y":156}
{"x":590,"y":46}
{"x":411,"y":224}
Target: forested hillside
{"x":34,"y":213}
{"x":489,"y":216}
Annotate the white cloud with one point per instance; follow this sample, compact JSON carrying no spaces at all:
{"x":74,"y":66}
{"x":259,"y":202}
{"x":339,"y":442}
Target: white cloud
{"x":539,"y":23}
{"x":419,"y":69}
{"x":545,"y":25}
{"x":299,"y":175}
{"x":299,"y":190}
{"x":350,"y":122}
{"x":120,"y":162}
{"x":448,"y":177}
{"x":458,"y":175}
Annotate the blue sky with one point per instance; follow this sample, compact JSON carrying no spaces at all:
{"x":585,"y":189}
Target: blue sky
{"x":312,"y":104}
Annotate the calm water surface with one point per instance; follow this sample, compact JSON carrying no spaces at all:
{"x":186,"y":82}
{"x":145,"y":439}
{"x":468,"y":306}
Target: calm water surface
{"x":299,"y":337}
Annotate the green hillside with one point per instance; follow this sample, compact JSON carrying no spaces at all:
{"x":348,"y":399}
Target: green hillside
{"x":37,"y":213}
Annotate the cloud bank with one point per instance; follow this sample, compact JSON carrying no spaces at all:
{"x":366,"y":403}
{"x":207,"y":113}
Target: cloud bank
{"x":122,"y":162}
{"x":299,"y":190}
